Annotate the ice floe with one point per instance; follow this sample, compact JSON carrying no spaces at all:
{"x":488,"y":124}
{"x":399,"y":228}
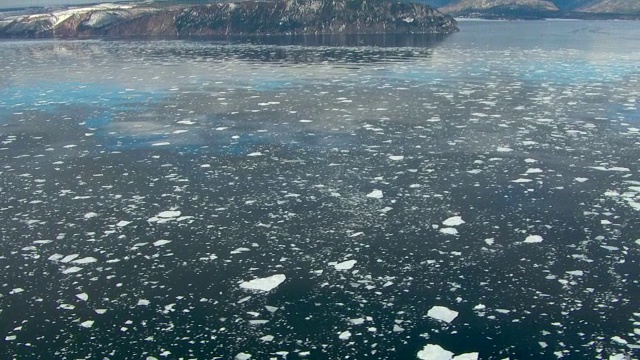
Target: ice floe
{"x":265,"y":284}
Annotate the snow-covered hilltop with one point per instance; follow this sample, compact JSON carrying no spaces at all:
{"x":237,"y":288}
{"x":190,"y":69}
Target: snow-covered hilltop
{"x":247,"y":17}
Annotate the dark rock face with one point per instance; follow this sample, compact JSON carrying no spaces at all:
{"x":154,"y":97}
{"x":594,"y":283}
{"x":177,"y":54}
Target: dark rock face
{"x":297,"y":17}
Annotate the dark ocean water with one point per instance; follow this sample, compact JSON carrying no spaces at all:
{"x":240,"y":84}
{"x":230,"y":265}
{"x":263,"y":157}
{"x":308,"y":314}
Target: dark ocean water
{"x":494,"y":172}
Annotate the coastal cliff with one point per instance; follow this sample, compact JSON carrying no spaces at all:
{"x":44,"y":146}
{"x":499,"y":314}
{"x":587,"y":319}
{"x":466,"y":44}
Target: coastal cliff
{"x":282,"y":17}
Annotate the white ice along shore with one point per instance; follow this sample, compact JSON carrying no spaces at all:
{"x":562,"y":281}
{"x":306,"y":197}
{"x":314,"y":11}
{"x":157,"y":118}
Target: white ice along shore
{"x":264,"y":284}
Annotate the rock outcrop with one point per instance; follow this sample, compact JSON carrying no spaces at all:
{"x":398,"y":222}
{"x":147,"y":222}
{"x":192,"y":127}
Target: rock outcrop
{"x":294,"y":17}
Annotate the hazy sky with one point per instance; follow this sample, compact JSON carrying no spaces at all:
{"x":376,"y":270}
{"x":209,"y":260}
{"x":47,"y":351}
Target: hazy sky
{"x":26,"y":3}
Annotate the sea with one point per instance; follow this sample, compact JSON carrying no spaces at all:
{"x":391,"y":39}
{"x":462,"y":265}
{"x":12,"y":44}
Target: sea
{"x":471,"y":196}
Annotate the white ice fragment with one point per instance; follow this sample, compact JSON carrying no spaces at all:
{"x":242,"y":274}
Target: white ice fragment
{"x":257,"y":153}
{"x":533,"y":171}
{"x":10,"y":338}
{"x":345,"y":335}
{"x":521,"y":180}
{"x":90,"y":215}
{"x":453,"y":221}
{"x":345,"y":265}
{"x":161,"y":242}
{"x":258,"y":322}
{"x":85,"y":260}
{"x":143,"y":302}
{"x":396,"y":157}
{"x":449,"y":231}
{"x":575,"y":272}
{"x":71,"y":270}
{"x":169,"y":214}
{"x":581,"y":179}
{"x":619,"y":340}
{"x":375,"y":194}
{"x":55,"y":257}
{"x":123,"y":223}
{"x":100,"y":311}
{"x":489,"y":241}
{"x":504,"y":149}
{"x":358,"y":321}
{"x":532,"y":239}
{"x":242,"y":356}
{"x":267,"y":338}
{"x":434,"y":352}
{"x":264,"y":284}
{"x":442,"y":313}
{"x":16,"y":291}
{"x":467,"y":356}
{"x":479,"y":307}
{"x":618,"y":357}
{"x":163,"y":143}
{"x":87,"y":324}
{"x":83,"y":296}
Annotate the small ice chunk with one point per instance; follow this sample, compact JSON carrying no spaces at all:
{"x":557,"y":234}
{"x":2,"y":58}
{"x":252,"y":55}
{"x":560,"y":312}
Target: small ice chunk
{"x":345,"y":265}
{"x":169,"y":214}
{"x":86,"y":260}
{"x":375,"y":194}
{"x":396,"y":157}
{"x":267,"y":338}
{"x":453,"y":221}
{"x":345,"y":335}
{"x":100,"y":311}
{"x":504,"y":149}
{"x":90,"y":215}
{"x":619,"y":340}
{"x":581,"y":179}
{"x":449,"y":231}
{"x":532,"y":239}
{"x":161,"y":242}
{"x":123,"y":223}
{"x":575,"y":272}
{"x":83,"y":296}
{"x":264,"y":284}
{"x":533,"y":171}
{"x":442,"y":313}
{"x":10,"y":338}
{"x":71,"y":270}
{"x":490,"y":241}
{"x":434,"y":352}
{"x":358,"y":321}
{"x":242,"y":356}
{"x":143,"y":302}
{"x":163,"y":143}
{"x":87,"y":324}
{"x":521,"y":180}
{"x":16,"y":291}
{"x":257,"y":153}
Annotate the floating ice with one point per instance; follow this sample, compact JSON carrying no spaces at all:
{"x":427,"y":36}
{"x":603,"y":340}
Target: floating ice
{"x":442,"y":313}
{"x":504,"y":149}
{"x":619,"y":340}
{"x":90,"y":215}
{"x":434,"y":352}
{"x":169,"y":214}
{"x":453,"y":221}
{"x":345,"y":265}
{"x":257,"y":153}
{"x":143,"y":302}
{"x":345,"y":335}
{"x":264,"y":284}
{"x":16,"y":291}
{"x":396,"y":157}
{"x":161,"y":242}
{"x":521,"y":180}
{"x":71,"y":270}
{"x":123,"y":223}
{"x":83,"y":296}
{"x":87,"y":324}
{"x":242,"y":356}
{"x":532,"y":239}
{"x":163,"y":143}
{"x":449,"y":231}
{"x":575,"y":272}
{"x":86,"y":260}
{"x":375,"y":194}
